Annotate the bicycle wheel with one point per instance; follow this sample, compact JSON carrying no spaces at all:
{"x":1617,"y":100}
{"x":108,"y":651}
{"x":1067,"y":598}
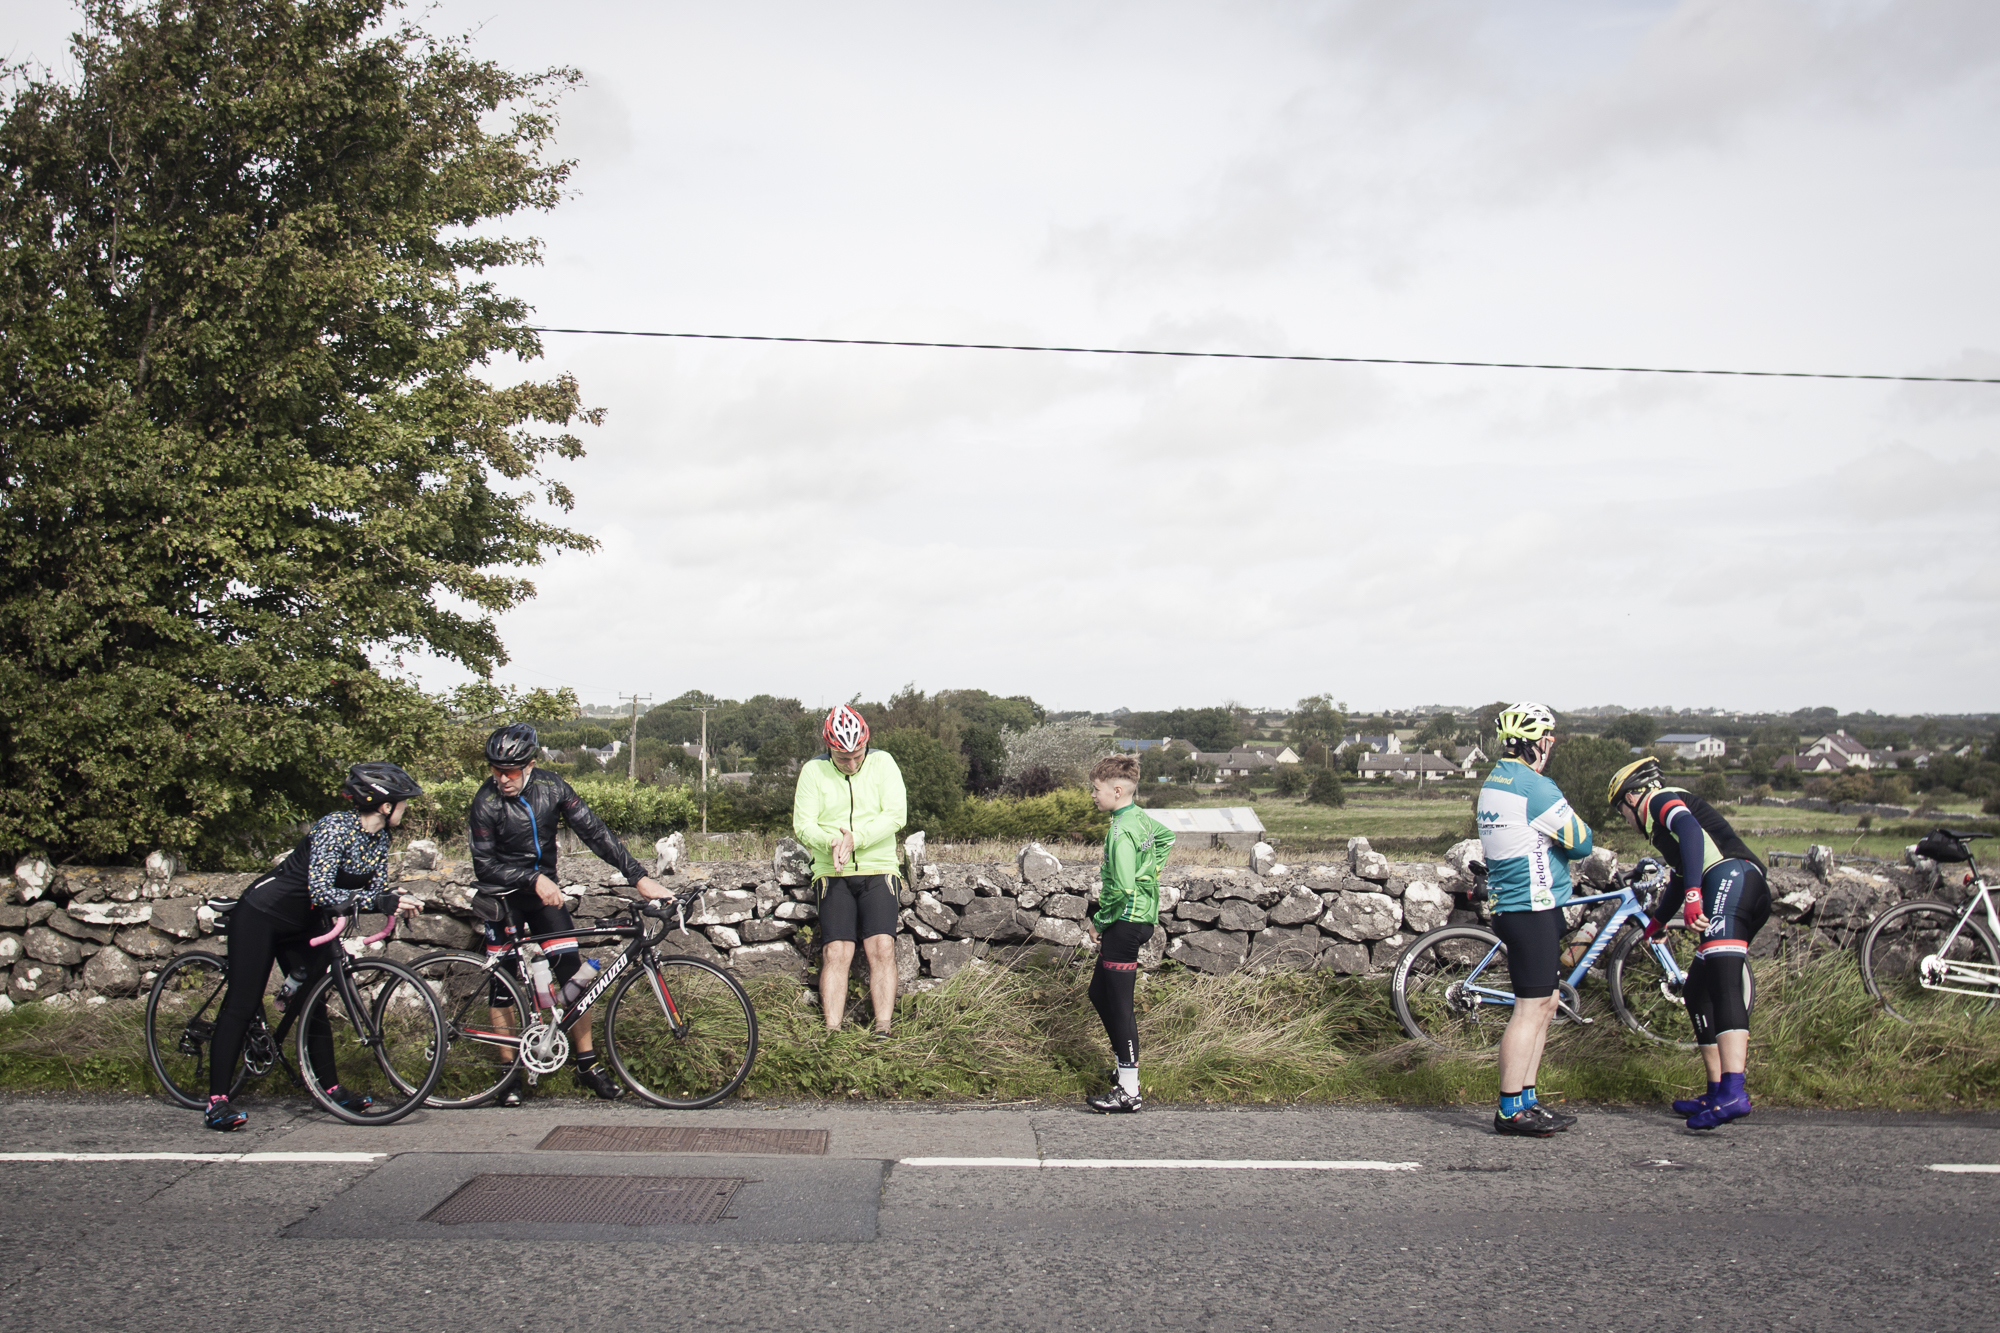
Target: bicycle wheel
{"x":180,"y":1026}
{"x":1433,"y":995}
{"x":1893,"y":952}
{"x":1647,"y":998}
{"x":391,"y":1050}
{"x":691,"y":1050}
{"x":474,"y":1070}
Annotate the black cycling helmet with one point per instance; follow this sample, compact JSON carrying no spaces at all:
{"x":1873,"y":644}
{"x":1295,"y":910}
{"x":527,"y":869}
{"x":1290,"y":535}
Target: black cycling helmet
{"x":376,"y":782}
{"x":513,"y":746}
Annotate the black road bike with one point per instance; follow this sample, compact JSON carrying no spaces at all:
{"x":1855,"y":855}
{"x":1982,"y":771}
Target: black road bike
{"x":678,"y":1030}
{"x":388,"y":1031}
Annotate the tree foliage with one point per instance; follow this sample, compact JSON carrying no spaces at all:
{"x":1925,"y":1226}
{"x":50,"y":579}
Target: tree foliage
{"x":1208,"y":729}
{"x":1326,"y":789}
{"x":1633,"y":729}
{"x":933,"y":777}
{"x":1056,"y":754}
{"x":1582,"y":766}
{"x":246,"y":442}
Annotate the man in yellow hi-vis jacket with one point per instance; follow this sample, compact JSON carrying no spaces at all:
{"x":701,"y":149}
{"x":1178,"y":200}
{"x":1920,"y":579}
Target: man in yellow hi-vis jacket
{"x":847,"y":811}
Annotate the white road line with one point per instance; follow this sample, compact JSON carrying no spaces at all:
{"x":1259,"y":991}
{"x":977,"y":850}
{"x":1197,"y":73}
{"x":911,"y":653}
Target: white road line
{"x":192,"y":1156}
{"x":1158,"y":1163}
{"x":1968,"y":1168}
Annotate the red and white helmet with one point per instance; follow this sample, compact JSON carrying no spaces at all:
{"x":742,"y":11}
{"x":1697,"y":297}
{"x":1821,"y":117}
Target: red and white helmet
{"x":845,"y":729}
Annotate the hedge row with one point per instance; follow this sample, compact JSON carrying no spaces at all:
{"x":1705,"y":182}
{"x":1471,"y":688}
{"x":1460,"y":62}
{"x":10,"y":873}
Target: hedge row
{"x":626,"y":808}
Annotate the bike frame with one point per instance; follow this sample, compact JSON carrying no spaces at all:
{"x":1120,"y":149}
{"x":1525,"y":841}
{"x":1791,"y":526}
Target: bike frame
{"x":1937,"y":969}
{"x":639,"y":952}
{"x":1629,"y":907}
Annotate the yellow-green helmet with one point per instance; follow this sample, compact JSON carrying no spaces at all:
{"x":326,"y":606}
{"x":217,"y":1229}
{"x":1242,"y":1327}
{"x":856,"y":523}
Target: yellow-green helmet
{"x":1525,"y":722}
{"x":1638,"y":775}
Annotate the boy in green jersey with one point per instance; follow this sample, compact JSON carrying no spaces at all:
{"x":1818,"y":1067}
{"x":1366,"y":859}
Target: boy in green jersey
{"x":1128,"y":910}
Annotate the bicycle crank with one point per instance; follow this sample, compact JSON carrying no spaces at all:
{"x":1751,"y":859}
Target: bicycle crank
{"x":544,"y":1048}
{"x":1568,"y":1006}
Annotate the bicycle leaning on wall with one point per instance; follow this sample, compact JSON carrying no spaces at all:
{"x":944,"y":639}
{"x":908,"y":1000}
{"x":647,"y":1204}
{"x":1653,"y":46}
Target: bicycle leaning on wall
{"x":1451,"y":987}
{"x":1928,"y":959}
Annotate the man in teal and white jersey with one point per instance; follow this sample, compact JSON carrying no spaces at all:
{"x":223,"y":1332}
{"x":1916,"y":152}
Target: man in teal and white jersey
{"x":1528,"y":835}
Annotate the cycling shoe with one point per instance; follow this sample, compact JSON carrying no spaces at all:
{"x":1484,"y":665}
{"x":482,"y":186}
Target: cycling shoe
{"x":600,"y":1083}
{"x":1720,"y":1113}
{"x":356,"y":1102}
{"x":1691,"y":1105}
{"x":221,"y":1115}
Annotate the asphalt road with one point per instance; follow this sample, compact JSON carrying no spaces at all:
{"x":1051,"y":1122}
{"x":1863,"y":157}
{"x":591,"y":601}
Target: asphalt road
{"x":1786,"y":1220}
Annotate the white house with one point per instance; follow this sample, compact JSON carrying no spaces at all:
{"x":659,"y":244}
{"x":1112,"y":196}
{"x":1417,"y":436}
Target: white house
{"x":1689,"y":745}
{"x":1242,"y":762}
{"x":1389,"y":744}
{"x":1410,"y":767}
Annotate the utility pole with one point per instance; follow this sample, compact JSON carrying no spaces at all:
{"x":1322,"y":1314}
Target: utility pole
{"x":704,"y":767}
{"x":632,"y":764}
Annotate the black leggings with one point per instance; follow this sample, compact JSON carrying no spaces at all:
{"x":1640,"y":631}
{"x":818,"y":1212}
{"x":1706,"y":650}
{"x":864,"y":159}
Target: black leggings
{"x":255,"y":942}
{"x":1111,"y":986}
{"x":1738,"y":903}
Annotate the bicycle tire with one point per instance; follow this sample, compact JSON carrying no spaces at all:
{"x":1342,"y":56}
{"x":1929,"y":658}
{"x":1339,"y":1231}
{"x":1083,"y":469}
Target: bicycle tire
{"x":1896,"y":941}
{"x":1646,"y":1002}
{"x":185,"y":1004}
{"x":474,"y":1071}
{"x":406,"y":1033}
{"x":708,"y":1059}
{"x":1426,"y":989}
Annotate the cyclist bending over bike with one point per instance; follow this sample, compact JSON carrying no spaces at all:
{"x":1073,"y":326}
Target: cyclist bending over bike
{"x":513,"y":832}
{"x":1717,"y":884}
{"x":1529,"y":835}
{"x":340,"y":867}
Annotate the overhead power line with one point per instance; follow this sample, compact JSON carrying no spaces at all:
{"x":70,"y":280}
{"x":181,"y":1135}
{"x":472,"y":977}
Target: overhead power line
{"x":1277,"y":356}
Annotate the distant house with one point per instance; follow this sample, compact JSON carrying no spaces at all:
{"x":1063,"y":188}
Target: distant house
{"x":1389,"y":744}
{"x":604,"y":755}
{"x":1690,"y":745}
{"x":1242,"y":762}
{"x":1467,"y":756}
{"x":1409,"y":767}
{"x":1838,"y":751}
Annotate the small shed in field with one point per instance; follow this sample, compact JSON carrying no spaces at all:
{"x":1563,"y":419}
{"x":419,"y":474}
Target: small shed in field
{"x":1231,"y":826}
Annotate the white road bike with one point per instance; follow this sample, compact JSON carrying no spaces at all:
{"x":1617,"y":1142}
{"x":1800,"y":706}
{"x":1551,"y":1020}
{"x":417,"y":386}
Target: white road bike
{"x":1927,"y":959}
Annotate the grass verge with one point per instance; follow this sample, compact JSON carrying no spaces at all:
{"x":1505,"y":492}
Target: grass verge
{"x":991,"y":1034}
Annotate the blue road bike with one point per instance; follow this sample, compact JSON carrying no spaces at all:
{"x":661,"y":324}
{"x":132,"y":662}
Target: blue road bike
{"x":1452,"y":988}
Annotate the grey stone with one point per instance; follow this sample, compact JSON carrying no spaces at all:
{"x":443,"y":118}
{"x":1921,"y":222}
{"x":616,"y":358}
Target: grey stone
{"x":1393,"y":886}
{"x":1461,"y":855}
{"x":111,"y":914}
{"x":1382,"y":955}
{"x":39,"y":912}
{"x":764,"y":931}
{"x":687,"y":942}
{"x":47,"y":946}
{"x":35,"y":980}
{"x":1056,"y":930}
{"x":947,"y":957}
{"x":773,"y":958}
{"x":1262,"y":857}
{"x":796,"y":911}
{"x":111,"y":972}
{"x":906,"y":896}
{"x":32,"y":878}
{"x":995,"y":920}
{"x":1205,"y":913}
{"x":1176,"y":926}
{"x":1299,"y":906}
{"x":1349,"y":960}
{"x":954,"y":893}
{"x":1819,"y":861}
{"x":1362,"y":916}
{"x":1282,"y":947}
{"x":76,"y":930}
{"x":913,"y":852}
{"x":908,"y":920}
{"x":1036,"y":864}
{"x":669,"y":852}
{"x":1153,"y":950}
{"x":423,"y":854}
{"x":1170,"y":898}
{"x":1030,"y":898}
{"x":1213,"y":951}
{"x":1068,"y":906}
{"x":13,"y":916}
{"x":1363,"y":862}
{"x":1794,"y":906}
{"x":1426,"y":906}
{"x":769,"y":895}
{"x":792,"y":862}
{"x":1198,"y":889}
{"x":140,"y":942}
{"x":176,"y":917}
{"x":986,"y":888}
{"x":1239,"y":915}
{"x":723,"y":937}
{"x":723,"y":907}
{"x":436,"y":928}
{"x":11,"y":951}
{"x":935,"y":914}
{"x":1597,"y":869}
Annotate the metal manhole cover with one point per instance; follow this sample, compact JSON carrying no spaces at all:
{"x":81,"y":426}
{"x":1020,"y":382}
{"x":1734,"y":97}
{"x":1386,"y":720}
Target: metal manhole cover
{"x":684,"y":1138}
{"x":628,"y":1201}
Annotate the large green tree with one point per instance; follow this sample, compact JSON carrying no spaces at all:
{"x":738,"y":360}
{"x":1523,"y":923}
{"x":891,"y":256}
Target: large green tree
{"x":249,"y":445}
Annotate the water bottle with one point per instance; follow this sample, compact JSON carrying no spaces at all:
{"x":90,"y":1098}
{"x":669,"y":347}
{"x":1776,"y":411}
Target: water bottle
{"x":289,"y":987}
{"x":543,"y":980}
{"x":574,"y":988}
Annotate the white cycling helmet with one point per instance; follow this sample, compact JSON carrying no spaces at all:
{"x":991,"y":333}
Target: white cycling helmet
{"x":1525,"y":722}
{"x":845,"y":729}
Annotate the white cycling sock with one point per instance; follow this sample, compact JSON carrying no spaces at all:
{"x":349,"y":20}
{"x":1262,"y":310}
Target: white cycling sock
{"x":1128,"y":1078}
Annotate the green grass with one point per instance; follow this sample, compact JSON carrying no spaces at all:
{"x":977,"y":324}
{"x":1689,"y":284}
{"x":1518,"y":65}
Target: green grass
{"x":991,"y":1034}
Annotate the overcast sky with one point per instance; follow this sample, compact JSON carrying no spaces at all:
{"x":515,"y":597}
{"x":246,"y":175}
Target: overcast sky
{"x":1757,"y":184}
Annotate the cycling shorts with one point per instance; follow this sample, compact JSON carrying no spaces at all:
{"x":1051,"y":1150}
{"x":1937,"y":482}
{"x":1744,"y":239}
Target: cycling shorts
{"x":1737,"y":903}
{"x":1534,"y":950}
{"x":856,"y":907}
{"x":527,"y":914}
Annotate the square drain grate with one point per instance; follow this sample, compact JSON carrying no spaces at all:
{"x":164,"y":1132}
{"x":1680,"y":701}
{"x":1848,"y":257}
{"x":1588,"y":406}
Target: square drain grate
{"x":627,"y":1201}
{"x":684,"y":1138}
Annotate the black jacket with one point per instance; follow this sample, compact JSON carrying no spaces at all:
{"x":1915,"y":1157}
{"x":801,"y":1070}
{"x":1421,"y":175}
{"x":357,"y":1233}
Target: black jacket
{"x":513,"y":841}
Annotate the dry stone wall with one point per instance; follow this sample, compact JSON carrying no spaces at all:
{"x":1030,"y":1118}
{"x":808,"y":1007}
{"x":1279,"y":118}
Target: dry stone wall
{"x":78,"y":935}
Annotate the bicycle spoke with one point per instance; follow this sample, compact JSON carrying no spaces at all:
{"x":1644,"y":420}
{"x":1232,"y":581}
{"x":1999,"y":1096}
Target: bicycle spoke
{"x":386,"y":1049}
{"x":478,"y":1060}
{"x":1962,"y":981}
{"x":691,"y":1051}
{"x":180,"y":1024}
{"x":1646,"y":994}
{"x":1448,"y":989}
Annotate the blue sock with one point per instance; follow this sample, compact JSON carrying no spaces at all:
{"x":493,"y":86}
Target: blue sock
{"x":1730,"y":1089}
{"x":1528,"y":1095}
{"x":1513,"y":1103}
